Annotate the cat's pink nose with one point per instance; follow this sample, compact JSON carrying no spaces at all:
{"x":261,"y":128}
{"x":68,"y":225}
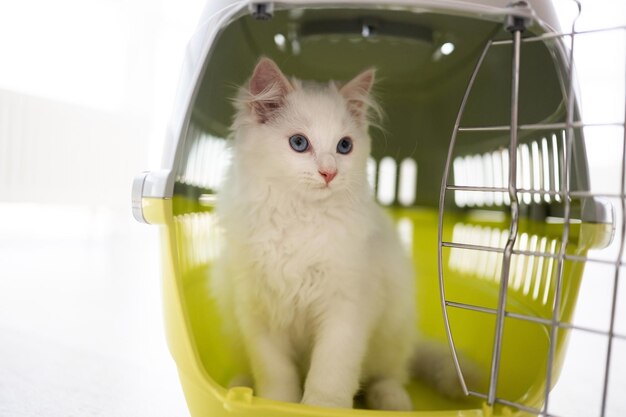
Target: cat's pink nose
{"x":328,"y":175}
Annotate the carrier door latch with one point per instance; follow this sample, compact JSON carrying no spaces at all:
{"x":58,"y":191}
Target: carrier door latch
{"x":150,"y":184}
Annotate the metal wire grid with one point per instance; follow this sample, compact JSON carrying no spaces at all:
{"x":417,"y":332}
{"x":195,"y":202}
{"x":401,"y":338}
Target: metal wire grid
{"x":513,"y":191}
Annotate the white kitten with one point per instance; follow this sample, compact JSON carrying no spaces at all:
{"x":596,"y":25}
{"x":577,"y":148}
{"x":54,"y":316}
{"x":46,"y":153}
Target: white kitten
{"x":313,"y":274}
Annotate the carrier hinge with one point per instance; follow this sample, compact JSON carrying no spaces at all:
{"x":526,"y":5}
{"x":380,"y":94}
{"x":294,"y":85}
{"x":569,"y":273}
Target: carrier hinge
{"x":520,"y":18}
{"x":262,"y":11}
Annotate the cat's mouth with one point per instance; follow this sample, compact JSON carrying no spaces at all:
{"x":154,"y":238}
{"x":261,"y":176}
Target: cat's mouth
{"x":322,"y":191}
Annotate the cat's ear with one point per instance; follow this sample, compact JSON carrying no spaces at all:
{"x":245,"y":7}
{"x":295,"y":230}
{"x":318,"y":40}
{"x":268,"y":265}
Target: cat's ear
{"x":268,"y":88}
{"x":357,"y":94}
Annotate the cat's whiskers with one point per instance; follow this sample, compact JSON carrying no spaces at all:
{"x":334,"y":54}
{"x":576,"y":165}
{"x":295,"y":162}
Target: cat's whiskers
{"x":309,"y":180}
{"x":352,"y":188}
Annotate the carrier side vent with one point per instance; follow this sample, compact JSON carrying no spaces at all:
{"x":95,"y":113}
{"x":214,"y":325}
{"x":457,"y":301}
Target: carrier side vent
{"x":531,"y":275}
{"x":392,"y":182}
{"x":480,"y":179}
{"x":387,"y":173}
{"x":207,"y":162}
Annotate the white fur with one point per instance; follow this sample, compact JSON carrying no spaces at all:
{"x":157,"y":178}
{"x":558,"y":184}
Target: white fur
{"x":313,"y":278}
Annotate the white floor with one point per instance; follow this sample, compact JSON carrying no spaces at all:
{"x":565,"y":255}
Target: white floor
{"x":80,"y":316}
{"x":81,"y":330}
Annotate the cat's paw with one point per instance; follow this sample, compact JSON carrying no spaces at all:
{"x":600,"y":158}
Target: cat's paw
{"x":241,"y":380}
{"x":387,"y":394}
{"x":320,"y":399}
{"x":271,"y":390}
{"x":280,"y":392}
{"x":433,"y":363}
{"x":447,"y":381}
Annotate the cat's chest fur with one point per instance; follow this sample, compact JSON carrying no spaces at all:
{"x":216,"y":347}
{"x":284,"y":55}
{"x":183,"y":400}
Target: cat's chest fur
{"x":295,"y":255}
{"x":291,"y":240}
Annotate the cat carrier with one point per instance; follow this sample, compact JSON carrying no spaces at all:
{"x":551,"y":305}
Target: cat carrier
{"x":481,"y":162}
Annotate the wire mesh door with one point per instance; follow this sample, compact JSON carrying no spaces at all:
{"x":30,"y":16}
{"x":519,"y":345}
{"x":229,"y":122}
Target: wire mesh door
{"x":544,"y":225}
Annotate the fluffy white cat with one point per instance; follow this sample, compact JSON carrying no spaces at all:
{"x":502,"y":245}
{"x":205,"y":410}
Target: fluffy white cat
{"x":313,"y":274}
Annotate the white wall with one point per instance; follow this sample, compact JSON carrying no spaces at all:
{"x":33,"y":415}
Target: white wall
{"x":85,"y":93}
{"x":86,"y":88}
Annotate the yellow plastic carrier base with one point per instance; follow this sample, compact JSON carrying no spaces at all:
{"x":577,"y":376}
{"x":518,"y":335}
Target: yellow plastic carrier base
{"x":205,"y":365}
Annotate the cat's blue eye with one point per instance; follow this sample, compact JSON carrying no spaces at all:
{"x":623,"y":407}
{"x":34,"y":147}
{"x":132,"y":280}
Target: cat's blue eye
{"x":344,"y":146}
{"x":299,"y":143}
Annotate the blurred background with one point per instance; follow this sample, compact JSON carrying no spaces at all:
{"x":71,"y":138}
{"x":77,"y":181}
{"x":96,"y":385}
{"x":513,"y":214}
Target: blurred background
{"x":86,"y":89}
